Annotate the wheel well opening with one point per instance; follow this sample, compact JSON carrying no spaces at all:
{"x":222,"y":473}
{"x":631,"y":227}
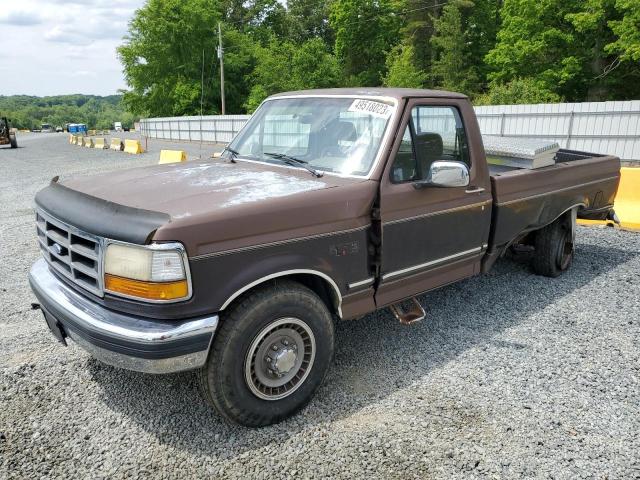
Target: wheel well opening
{"x":320,"y":287}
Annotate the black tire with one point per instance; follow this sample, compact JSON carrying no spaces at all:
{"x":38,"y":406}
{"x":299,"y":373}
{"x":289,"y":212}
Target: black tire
{"x":224,"y":380}
{"x":14,"y":141}
{"x":554,"y":248}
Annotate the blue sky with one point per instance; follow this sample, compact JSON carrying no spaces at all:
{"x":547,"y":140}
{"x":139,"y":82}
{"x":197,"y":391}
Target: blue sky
{"x":65,"y":46}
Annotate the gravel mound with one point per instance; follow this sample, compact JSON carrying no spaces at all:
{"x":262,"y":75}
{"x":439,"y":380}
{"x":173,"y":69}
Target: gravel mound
{"x":511,"y":375}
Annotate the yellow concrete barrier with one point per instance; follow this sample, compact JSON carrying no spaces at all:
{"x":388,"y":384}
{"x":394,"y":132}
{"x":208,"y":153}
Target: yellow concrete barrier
{"x":172,"y":156}
{"x":627,"y":202}
{"x":80,"y":141}
{"x":100,"y":143}
{"x":91,"y":132}
{"x":132,"y":146}
{"x":116,"y":144}
{"x":88,"y":142}
{"x":70,"y":138}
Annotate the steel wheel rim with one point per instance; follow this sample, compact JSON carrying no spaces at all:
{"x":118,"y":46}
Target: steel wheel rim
{"x":275,"y":373}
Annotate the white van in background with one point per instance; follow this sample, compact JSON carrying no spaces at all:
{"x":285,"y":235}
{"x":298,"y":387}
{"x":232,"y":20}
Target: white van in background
{"x":117,"y":126}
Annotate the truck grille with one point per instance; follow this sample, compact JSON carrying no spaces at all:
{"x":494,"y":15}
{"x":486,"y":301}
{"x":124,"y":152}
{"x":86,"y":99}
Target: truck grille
{"x":70,"y":252}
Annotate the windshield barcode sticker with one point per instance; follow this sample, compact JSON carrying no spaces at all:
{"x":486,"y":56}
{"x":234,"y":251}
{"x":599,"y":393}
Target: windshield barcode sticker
{"x":377,"y":109}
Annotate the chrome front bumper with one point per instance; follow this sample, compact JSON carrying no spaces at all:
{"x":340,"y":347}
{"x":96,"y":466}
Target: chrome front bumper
{"x":126,"y":341}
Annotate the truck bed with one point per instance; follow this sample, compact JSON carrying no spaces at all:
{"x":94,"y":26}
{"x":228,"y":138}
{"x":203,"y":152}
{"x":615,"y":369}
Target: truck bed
{"x":526,"y":200}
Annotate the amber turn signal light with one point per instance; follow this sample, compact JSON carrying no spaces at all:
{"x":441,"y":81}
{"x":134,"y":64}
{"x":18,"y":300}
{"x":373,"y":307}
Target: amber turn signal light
{"x":146,"y":290}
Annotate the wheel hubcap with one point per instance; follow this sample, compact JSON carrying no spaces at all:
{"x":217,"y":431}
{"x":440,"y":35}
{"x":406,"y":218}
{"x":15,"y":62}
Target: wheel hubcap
{"x":280,"y":358}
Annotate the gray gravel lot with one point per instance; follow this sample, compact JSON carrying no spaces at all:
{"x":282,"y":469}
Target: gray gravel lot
{"x":511,"y":375}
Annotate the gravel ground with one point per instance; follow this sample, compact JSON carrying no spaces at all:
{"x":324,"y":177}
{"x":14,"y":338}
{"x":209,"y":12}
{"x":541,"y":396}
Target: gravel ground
{"x":510,"y":376}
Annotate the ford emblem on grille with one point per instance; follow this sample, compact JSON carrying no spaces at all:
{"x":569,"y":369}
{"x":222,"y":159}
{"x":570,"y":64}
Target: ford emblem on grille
{"x":57,"y":248}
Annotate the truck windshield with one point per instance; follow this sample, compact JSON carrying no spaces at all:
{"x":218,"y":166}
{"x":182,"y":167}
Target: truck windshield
{"x":341,"y":135}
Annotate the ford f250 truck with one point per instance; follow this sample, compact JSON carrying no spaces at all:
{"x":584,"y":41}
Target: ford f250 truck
{"x":327,"y":205}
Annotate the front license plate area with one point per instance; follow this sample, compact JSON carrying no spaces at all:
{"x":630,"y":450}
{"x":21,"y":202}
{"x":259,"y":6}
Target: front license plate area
{"x":55,"y":328}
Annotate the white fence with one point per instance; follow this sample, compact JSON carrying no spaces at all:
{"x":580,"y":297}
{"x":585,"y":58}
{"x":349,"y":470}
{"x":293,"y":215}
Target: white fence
{"x":208,"y":128}
{"x":600,"y":127}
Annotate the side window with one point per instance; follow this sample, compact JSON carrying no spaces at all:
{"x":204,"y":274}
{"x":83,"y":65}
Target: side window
{"x":435,"y":133}
{"x":404,"y":166}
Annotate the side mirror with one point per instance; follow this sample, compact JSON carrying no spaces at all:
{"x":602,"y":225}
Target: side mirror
{"x":446,"y":173}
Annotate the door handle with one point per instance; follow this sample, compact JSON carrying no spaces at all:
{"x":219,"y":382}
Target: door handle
{"x":474,"y":190}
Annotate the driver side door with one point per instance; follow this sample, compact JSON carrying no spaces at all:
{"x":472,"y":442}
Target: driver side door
{"x":431,"y":236}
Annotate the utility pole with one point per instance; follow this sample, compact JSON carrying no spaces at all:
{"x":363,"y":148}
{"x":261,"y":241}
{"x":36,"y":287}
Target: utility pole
{"x":221,"y":57}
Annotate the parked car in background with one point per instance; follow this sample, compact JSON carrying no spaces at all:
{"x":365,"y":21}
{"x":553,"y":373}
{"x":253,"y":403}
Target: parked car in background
{"x":328,"y":205}
{"x":46,"y":128}
{"x":117,"y":126}
{"x":59,"y":129}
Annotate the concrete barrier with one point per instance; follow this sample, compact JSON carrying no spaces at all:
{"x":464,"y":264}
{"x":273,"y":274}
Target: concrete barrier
{"x":88,"y":142}
{"x":627,"y":202}
{"x":116,"y":144}
{"x":100,"y":142}
{"x":172,"y":156}
{"x":81,"y":140}
{"x":91,"y":132}
{"x":132,"y":146}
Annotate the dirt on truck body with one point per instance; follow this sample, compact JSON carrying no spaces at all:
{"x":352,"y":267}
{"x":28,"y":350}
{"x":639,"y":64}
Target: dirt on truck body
{"x":328,"y":205}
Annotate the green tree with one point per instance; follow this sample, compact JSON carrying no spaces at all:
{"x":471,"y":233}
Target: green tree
{"x":569,"y":46}
{"x":627,"y":30}
{"x":518,"y":91}
{"x":97,"y":112}
{"x":170,"y":53}
{"x":309,"y":19}
{"x":402,"y":69}
{"x":454,"y":67}
{"x":366,"y":30}
{"x":535,"y":41}
{"x":307,"y":66}
{"x":417,"y":29}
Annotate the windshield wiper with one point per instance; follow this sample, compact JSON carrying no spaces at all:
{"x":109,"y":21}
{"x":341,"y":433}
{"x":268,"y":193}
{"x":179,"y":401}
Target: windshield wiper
{"x":233,"y":153}
{"x":293,"y":161}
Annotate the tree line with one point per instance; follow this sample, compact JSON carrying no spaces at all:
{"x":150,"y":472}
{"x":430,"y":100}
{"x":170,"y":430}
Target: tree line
{"x":495,"y":51}
{"x":30,"y":112}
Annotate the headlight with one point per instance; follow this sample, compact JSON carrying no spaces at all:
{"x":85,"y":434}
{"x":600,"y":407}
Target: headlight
{"x":156,"y":273}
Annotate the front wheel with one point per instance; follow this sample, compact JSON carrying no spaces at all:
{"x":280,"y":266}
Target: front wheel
{"x":270,"y":354}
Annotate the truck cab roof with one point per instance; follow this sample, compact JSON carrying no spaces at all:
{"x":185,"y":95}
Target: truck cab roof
{"x":397,"y":93}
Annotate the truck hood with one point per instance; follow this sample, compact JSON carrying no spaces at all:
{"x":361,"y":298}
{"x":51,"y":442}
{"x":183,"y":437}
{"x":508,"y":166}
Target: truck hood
{"x":190,"y":189}
{"x":214,"y":205}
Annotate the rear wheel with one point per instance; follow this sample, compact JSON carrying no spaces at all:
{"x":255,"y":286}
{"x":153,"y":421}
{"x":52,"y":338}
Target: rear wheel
{"x":14,"y":141}
{"x":554,"y":247}
{"x":269,"y":356}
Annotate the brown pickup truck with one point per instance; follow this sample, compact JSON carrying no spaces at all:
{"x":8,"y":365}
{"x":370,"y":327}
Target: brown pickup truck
{"x":328,"y":205}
